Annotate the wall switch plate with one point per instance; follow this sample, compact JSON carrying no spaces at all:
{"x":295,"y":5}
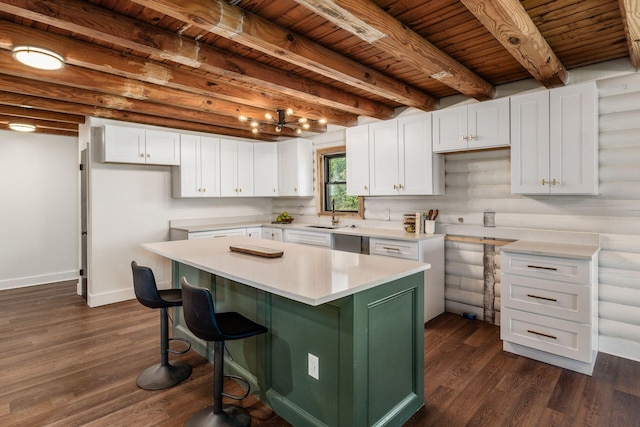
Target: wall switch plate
{"x":314,"y":366}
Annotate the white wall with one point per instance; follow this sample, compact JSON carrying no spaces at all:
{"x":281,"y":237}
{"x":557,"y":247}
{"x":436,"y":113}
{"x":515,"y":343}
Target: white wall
{"x":131,"y":205}
{"x":39,"y":219}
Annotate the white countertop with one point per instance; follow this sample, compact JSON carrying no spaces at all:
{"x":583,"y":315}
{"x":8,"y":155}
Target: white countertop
{"x":307,"y":274}
{"x":552,"y":249}
{"x":387,"y":233}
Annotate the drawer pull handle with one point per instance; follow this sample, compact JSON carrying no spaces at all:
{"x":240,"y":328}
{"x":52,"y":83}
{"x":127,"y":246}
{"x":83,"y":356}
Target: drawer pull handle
{"x":542,"y":268}
{"x":541,"y":334}
{"x":391,"y":249}
{"x":544,"y":298}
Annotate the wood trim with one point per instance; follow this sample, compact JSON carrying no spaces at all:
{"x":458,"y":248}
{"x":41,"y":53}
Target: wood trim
{"x":319,"y":165}
{"x":478,"y":240}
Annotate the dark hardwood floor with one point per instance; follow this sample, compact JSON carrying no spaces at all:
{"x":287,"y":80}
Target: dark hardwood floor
{"x":65,"y":364}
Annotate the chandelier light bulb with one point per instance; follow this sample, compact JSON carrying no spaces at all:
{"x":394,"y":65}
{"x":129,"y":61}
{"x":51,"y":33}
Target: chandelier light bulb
{"x":254,"y":130}
{"x":242,"y":118}
{"x":289,"y":111}
{"x":254,"y":124}
{"x":268,"y":116}
{"x":278,"y":128}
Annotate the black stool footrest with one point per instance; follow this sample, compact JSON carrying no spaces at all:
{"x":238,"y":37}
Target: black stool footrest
{"x":187,"y":342}
{"x":242,"y":380}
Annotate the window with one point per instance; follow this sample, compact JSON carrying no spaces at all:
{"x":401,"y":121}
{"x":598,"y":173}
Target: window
{"x":332,"y":174}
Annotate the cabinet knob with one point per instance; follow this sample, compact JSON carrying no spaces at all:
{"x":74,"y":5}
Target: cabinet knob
{"x":239,"y":190}
{"x":204,"y":190}
{"x":148,"y":155}
{"x":141,"y":154}
{"x":463,"y":138}
{"x":295,"y":188}
{"x":199,"y":190}
{"x":395,"y":187}
{"x":471,"y":137}
{"x":544,"y":182}
{"x":365,"y":187}
{"x":554,"y":182}
{"x":401,"y":187}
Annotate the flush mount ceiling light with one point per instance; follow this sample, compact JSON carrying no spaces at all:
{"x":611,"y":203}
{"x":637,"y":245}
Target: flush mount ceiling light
{"x":22,"y":127}
{"x":38,"y":57}
{"x":279,"y":121}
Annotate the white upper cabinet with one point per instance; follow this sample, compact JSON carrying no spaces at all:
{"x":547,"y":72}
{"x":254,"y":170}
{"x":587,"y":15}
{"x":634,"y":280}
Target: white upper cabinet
{"x":199,"y":172}
{"x":265,"y":169}
{"x":420,"y":171}
{"x":472,"y":127}
{"x":236,"y":168}
{"x":554,"y":141}
{"x":383,"y":158}
{"x":295,"y":168}
{"x":122,"y":144}
{"x":401,"y":161}
{"x":357,"y":145}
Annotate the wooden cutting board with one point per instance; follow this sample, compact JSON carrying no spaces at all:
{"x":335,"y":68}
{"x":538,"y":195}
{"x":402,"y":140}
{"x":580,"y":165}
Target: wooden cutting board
{"x":257,"y":250}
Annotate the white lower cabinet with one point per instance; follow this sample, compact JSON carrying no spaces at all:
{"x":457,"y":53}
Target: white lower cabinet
{"x":314,"y":238}
{"x":427,"y":250}
{"x":177,"y":234}
{"x":272,"y":233}
{"x":550,"y":304}
{"x":255,"y":232}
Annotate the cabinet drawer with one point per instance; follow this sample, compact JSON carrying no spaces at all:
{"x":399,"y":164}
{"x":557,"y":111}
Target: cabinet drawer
{"x":394,"y":248}
{"x":556,"y":336}
{"x":218,"y":233}
{"x":555,"y":268}
{"x":308,"y":238}
{"x":546,"y":297}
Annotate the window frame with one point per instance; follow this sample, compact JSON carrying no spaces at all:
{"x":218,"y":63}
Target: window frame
{"x":321,"y":154}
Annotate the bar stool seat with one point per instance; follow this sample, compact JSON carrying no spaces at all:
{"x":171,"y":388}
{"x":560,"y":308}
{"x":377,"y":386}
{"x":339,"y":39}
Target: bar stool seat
{"x":164,"y":374}
{"x":206,"y":324}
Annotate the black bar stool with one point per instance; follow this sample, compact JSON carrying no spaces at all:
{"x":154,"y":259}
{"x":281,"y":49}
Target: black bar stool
{"x":163,"y":374}
{"x":206,"y":324}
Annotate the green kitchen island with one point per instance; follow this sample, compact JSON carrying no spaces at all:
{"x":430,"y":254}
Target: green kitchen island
{"x":345,"y":340}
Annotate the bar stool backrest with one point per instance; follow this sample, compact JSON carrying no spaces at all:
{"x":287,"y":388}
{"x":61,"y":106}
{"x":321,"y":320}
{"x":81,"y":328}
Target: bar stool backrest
{"x":144,"y":285}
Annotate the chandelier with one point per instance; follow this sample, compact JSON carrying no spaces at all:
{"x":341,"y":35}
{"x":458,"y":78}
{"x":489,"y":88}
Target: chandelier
{"x":282,"y":119}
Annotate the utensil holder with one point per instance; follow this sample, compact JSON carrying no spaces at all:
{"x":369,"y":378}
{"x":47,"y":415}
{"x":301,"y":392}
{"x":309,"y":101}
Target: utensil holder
{"x":430,"y":227}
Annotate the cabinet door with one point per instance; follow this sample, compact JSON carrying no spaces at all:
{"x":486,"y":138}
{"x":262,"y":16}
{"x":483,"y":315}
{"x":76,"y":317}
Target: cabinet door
{"x":530,"y":143}
{"x":488,"y":124}
{"x":383,"y":158}
{"x":357,"y":142}
{"x":573,"y":140}
{"x":450,"y":129}
{"x":415,"y":168}
{"x":244,"y":168}
{"x":123,"y":144}
{"x":187,"y":178}
{"x":209,"y":166}
{"x":228,"y":175}
{"x":265,"y":169}
{"x":162,"y":148}
{"x":295,"y":168}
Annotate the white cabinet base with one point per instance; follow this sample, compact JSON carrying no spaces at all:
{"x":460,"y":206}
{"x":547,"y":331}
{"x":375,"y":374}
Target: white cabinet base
{"x":552,"y":359}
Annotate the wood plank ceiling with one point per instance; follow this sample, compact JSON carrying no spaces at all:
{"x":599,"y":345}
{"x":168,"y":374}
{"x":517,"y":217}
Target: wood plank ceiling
{"x":200,"y":64}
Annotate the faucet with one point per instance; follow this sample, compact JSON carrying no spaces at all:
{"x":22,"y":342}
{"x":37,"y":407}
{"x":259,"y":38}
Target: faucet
{"x":334,"y":220}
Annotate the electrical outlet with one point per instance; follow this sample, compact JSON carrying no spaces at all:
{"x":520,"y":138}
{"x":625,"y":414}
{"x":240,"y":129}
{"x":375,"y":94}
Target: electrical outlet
{"x":301,"y":210}
{"x":387,"y":214}
{"x":314,"y":366}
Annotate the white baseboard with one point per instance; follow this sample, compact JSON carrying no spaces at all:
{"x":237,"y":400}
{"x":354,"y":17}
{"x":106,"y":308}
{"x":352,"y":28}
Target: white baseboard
{"x":95,"y":300}
{"x":619,"y":347}
{"x":22,"y":282}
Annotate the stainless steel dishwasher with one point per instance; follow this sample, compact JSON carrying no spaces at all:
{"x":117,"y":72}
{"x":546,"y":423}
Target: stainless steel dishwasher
{"x":351,"y":243}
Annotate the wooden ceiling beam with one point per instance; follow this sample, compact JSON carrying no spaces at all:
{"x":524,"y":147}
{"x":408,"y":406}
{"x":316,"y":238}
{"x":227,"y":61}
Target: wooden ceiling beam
{"x":233,"y":23}
{"x":98,"y":23}
{"x":32,"y":113}
{"x":18,"y":92}
{"x":512,"y":26}
{"x":366,"y":20}
{"x":95,"y":88}
{"x":630,"y":10}
{"x":246,"y":100}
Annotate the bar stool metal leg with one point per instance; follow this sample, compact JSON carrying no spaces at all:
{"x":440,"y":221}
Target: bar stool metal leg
{"x":219,"y":415}
{"x":163,"y":375}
